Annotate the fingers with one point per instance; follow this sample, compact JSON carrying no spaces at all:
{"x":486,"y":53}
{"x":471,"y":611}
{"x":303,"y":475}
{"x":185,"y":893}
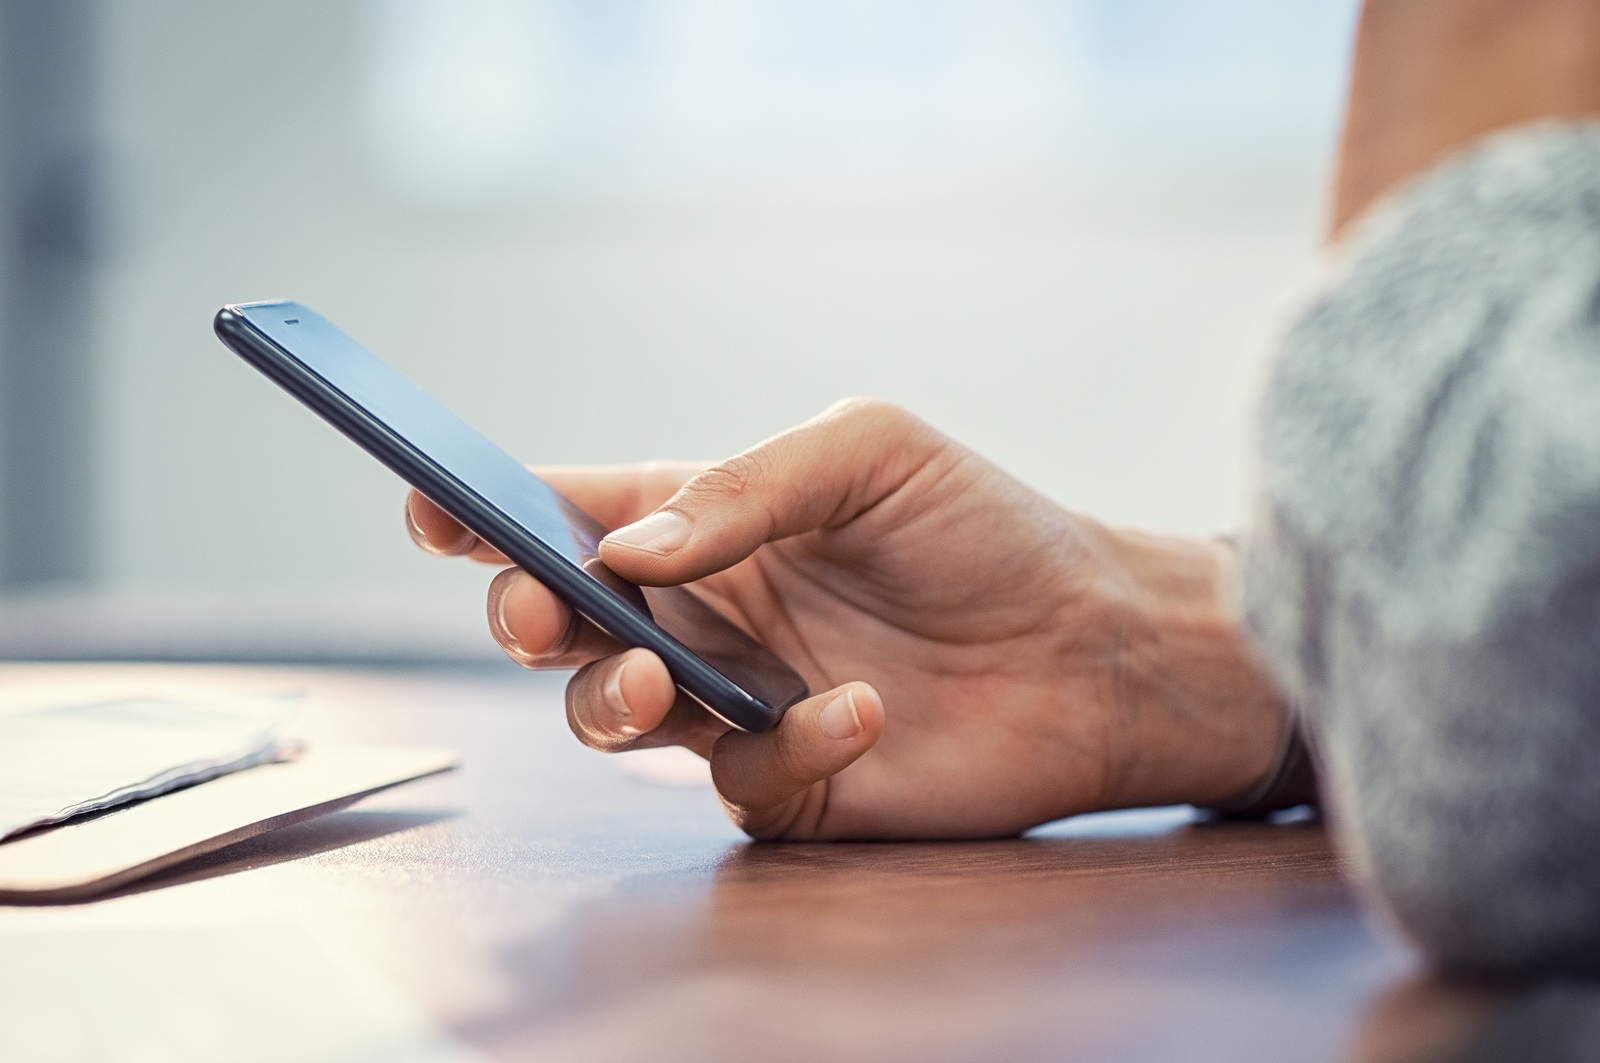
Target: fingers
{"x":612,"y":494}
{"x":628,"y":701}
{"x":536,"y":629}
{"x":527,"y":621}
{"x":768,"y":781}
{"x":820,"y":474}
{"x":433,"y":529}
{"x":442,"y":535}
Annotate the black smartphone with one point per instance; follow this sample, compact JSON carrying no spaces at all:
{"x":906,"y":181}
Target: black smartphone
{"x":387,"y":415}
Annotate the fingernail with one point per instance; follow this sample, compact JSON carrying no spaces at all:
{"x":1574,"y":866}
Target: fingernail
{"x":497,"y":612}
{"x":659,"y":533}
{"x":838,"y":718}
{"x":612,"y":692}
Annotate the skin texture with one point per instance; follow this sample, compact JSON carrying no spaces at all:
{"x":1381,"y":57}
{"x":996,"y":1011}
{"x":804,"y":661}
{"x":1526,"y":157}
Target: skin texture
{"x":986,"y":660}
{"x":1430,"y":77}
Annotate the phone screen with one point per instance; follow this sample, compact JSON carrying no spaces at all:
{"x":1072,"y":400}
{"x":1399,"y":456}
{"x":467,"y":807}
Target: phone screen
{"x":390,"y":397}
{"x":499,"y":480}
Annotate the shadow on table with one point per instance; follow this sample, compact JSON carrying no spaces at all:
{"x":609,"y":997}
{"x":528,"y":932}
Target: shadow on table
{"x":1200,"y":942}
{"x":321,"y":835}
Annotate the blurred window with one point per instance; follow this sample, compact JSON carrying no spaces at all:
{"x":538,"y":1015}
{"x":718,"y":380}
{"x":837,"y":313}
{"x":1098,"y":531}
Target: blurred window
{"x":486,"y":100}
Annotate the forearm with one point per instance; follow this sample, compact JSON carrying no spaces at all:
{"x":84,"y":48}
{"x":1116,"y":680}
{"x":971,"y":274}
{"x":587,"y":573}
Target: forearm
{"x":1432,"y":76}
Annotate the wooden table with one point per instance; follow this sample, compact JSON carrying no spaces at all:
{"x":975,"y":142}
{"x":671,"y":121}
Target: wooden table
{"x":541,"y":903}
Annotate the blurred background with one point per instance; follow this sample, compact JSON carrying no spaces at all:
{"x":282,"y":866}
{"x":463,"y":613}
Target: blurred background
{"x":611,"y":230}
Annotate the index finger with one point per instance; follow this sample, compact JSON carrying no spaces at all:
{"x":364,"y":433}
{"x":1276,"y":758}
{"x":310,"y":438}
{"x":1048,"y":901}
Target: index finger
{"x":614,"y":495}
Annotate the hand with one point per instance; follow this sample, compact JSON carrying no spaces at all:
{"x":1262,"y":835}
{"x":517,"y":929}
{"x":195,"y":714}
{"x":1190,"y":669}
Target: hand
{"x":987,"y":661}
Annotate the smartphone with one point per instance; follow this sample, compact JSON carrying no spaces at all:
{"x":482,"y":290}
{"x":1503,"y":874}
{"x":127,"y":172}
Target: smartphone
{"x":383,"y":412}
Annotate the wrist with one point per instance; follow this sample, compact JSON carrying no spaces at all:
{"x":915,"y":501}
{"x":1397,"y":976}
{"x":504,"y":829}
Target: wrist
{"x":1201,"y":720}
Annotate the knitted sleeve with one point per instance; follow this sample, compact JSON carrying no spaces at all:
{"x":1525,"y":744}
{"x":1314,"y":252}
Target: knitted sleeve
{"x":1423,"y":574}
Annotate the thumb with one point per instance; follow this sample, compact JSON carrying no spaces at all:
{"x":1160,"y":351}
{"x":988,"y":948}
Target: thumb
{"x":823,"y":473}
{"x":769,"y":782}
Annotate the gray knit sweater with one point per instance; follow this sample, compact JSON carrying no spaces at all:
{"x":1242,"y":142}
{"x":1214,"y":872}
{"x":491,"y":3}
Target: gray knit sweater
{"x":1423,"y":576}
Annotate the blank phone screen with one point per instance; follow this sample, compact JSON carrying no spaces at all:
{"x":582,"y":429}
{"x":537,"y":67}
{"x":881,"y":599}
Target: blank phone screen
{"x":411,"y":413}
{"x":498,"y":479}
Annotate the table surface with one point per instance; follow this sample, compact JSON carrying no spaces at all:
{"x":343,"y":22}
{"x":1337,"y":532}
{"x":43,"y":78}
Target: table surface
{"x":549,"y":902}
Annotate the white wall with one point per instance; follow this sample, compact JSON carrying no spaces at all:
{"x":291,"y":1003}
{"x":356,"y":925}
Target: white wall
{"x":1079,"y":312}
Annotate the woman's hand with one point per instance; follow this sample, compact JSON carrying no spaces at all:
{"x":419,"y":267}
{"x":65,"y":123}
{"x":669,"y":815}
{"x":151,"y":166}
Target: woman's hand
{"x":986,"y":660}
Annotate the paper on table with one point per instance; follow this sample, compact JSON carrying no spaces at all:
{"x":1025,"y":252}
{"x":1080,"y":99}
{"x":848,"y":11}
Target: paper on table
{"x":63,"y":761}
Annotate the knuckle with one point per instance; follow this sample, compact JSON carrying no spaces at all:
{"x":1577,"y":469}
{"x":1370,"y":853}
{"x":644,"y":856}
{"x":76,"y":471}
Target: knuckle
{"x":790,"y":759}
{"x":582,"y":685}
{"x":729,"y":480}
{"x":877,"y":413}
{"x":876,"y":423}
{"x":797,"y":819}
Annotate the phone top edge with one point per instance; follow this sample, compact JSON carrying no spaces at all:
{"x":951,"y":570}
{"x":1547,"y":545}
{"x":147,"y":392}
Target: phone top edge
{"x":254,"y":303}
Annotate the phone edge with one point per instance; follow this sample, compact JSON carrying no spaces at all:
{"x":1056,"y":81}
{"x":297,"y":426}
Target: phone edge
{"x":400,"y":456}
